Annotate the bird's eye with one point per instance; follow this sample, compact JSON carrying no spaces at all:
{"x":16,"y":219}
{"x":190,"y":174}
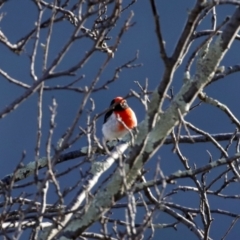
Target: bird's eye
{"x":123,"y":104}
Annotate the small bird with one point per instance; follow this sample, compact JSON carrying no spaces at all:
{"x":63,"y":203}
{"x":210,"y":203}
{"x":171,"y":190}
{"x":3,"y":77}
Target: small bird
{"x":118,"y":120}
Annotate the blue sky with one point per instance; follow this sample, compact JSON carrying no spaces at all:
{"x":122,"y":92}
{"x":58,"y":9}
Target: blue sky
{"x":18,"y":129}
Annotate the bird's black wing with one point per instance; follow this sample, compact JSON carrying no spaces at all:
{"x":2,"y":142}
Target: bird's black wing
{"x":107,"y":115}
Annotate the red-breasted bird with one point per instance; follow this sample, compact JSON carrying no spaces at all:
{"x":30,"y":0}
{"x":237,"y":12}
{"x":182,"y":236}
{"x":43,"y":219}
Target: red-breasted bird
{"x":118,"y":120}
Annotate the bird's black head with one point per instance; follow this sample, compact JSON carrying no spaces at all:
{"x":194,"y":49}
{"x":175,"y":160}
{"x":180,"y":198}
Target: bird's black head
{"x":117,"y":104}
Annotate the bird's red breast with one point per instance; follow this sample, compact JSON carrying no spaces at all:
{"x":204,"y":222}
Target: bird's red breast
{"x":118,"y":120}
{"x":127,"y":117}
